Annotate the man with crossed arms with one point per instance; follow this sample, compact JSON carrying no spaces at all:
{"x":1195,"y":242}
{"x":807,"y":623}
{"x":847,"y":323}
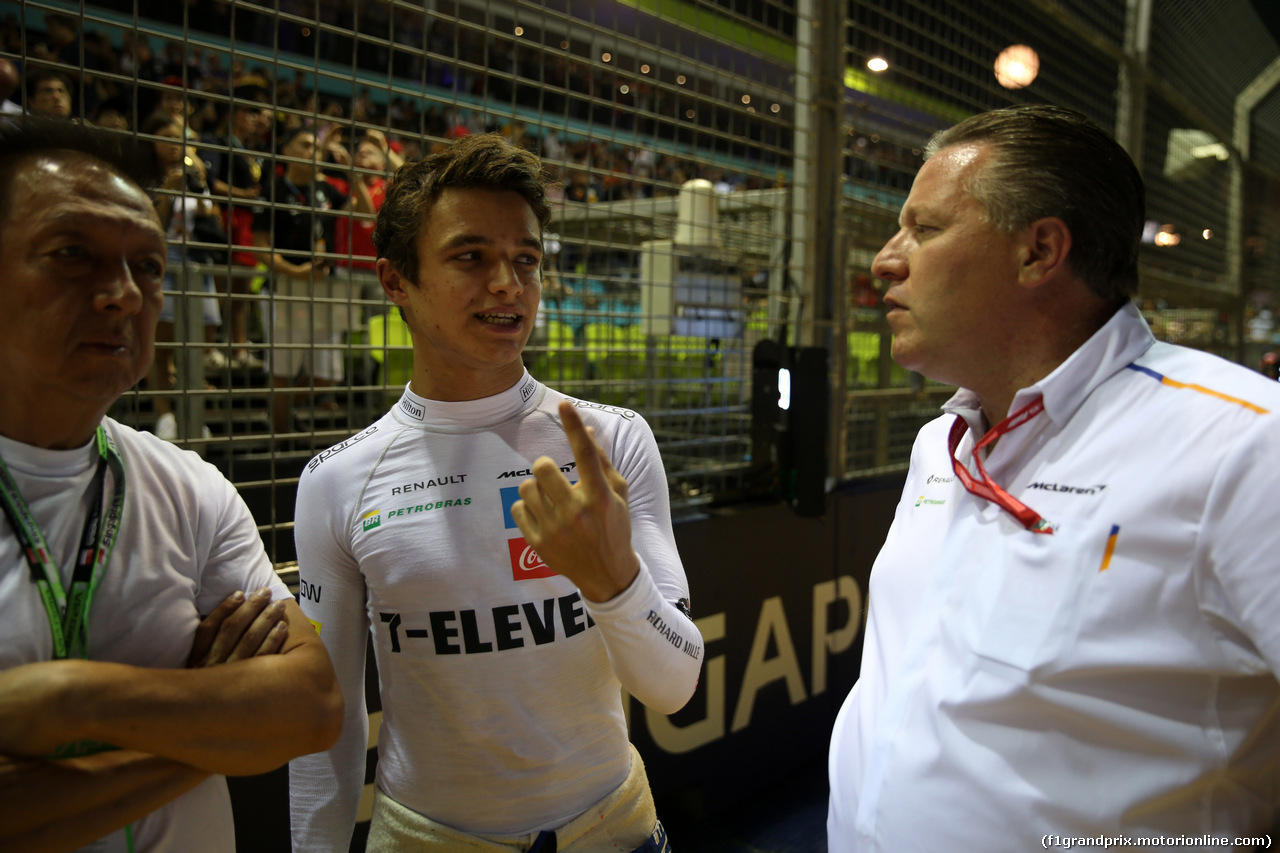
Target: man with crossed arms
{"x":120,"y":709}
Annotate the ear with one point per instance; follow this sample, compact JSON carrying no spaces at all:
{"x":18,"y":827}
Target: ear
{"x":1043,"y":255}
{"x":393,"y":284}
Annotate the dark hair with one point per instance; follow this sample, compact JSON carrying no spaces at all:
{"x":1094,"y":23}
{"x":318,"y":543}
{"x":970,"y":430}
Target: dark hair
{"x":157,"y":120}
{"x":1052,"y":161}
{"x":39,"y":75}
{"x":477,"y":162}
{"x":24,"y":137}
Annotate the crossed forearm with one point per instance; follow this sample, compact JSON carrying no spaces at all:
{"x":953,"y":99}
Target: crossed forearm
{"x":240,"y":718}
{"x":48,"y":806}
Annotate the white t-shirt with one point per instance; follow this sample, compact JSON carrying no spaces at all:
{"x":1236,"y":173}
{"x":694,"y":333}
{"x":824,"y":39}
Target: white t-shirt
{"x":1117,"y":677}
{"x":186,"y":542}
{"x":500,"y":685}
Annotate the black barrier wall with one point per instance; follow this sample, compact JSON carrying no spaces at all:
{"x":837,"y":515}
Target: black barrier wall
{"x":780,"y":602}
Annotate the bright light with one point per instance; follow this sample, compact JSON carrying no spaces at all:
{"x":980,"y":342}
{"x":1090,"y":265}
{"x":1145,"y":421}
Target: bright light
{"x":1166,"y":236}
{"x":624,"y":88}
{"x":751,"y":110}
{"x":644,"y":69}
{"x":1207,"y":234}
{"x":775,"y":108}
{"x":877,"y":64}
{"x":746,"y":99}
{"x":689,"y":113}
{"x":680,"y":80}
{"x":606,"y":57}
{"x":519,"y":31}
{"x":564,"y":45}
{"x":1017,"y":66}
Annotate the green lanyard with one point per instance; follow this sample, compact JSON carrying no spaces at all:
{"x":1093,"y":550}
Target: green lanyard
{"x":69,"y":613}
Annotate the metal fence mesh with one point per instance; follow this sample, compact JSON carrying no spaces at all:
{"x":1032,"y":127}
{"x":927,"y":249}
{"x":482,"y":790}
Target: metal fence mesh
{"x":640,"y":308}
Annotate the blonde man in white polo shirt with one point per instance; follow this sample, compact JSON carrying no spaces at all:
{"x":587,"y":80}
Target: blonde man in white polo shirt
{"x":1075,"y":619}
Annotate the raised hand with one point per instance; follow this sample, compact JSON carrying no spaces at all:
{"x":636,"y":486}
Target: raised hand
{"x":580,"y":530}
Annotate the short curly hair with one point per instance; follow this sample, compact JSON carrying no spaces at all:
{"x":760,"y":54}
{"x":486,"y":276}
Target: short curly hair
{"x":476,"y":162}
{"x":1052,"y":161}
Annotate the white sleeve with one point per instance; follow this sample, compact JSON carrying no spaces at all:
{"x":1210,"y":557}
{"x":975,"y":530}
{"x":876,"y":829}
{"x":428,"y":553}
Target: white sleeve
{"x":655,"y":649}
{"x":1240,"y":539}
{"x":233,"y":555}
{"x":325,"y":787}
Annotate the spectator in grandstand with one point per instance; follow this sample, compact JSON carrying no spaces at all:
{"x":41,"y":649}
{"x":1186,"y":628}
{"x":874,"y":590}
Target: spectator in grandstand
{"x":234,"y":162}
{"x":306,"y":341}
{"x":48,"y":94}
{"x":119,"y":705}
{"x":1072,"y":627}
{"x":183,"y":206}
{"x":503,"y":728}
{"x":10,"y":79}
{"x":353,"y":236}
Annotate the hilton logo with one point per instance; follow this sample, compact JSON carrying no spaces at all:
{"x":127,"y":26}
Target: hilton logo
{"x":412,"y":409}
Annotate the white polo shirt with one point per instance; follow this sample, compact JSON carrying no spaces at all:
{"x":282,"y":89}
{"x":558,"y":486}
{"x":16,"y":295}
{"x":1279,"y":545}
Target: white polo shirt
{"x":1117,"y":677}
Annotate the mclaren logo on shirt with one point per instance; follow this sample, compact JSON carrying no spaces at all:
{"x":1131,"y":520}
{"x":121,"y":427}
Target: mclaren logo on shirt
{"x":1070,"y":490}
{"x":528,"y":472}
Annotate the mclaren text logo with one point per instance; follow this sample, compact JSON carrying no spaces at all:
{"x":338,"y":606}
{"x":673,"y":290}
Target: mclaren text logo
{"x":528,"y":472}
{"x":1070,"y":490}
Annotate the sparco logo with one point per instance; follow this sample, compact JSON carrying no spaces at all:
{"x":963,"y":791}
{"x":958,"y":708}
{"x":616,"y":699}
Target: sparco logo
{"x":1070,"y":490}
{"x":412,"y":409}
{"x":341,"y":446}
{"x":625,"y":414}
{"x":525,"y":562}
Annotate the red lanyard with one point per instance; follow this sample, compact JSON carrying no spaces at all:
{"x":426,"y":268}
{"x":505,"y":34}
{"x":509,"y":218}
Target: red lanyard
{"x":985,"y":487}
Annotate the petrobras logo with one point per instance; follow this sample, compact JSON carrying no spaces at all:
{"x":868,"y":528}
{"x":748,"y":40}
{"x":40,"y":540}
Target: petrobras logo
{"x":372,"y":519}
{"x":922,"y":500}
{"x":525,"y":562}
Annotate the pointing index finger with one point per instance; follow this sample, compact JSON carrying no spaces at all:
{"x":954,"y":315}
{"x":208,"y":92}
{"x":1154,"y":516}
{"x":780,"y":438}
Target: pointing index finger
{"x":585,"y":452}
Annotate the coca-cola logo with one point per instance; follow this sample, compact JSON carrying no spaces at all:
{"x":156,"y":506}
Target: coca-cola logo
{"x":525,"y":562}
{"x":529,"y":560}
